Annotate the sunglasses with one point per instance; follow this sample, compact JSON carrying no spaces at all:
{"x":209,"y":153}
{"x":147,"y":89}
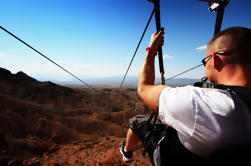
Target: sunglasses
{"x":206,"y":59}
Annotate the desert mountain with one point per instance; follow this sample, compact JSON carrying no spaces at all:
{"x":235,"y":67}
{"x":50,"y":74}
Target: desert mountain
{"x":43,"y":123}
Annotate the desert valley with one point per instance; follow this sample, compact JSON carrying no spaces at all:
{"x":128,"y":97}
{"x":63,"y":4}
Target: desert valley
{"x":43,"y":123}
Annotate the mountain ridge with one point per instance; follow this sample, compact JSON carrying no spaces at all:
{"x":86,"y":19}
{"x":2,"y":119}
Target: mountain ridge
{"x":41,"y":122}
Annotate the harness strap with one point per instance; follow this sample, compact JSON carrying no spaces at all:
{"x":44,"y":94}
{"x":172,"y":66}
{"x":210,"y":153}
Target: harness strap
{"x":150,"y":126}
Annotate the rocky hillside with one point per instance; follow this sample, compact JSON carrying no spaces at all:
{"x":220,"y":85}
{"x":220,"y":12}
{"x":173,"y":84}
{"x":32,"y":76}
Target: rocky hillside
{"x":46,"y":124}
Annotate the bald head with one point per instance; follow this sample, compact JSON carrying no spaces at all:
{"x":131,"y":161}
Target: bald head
{"x":233,"y":66}
{"x":236,"y":41}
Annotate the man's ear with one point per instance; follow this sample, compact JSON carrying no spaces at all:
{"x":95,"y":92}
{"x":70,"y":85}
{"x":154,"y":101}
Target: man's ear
{"x":217,"y":62}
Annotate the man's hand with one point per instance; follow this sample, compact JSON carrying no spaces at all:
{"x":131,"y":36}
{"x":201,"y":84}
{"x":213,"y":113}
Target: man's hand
{"x":157,"y":39}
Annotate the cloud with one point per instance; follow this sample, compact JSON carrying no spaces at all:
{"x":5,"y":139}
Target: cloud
{"x":202,"y":47}
{"x":166,"y":56}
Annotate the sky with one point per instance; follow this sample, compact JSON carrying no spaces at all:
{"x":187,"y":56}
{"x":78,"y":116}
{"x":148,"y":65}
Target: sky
{"x":97,"y":38}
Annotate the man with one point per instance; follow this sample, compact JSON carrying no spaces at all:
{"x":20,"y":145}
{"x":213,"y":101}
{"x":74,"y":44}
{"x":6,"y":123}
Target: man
{"x":207,"y":120}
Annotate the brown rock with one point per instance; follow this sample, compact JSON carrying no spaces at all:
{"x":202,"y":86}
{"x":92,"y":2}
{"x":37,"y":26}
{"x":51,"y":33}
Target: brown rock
{"x":32,"y":162}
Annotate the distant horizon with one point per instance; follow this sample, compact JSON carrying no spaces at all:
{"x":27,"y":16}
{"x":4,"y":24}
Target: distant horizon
{"x":110,"y":81}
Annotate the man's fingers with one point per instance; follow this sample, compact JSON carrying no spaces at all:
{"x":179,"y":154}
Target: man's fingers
{"x":162,"y":31}
{"x":155,"y":33}
{"x":157,"y":39}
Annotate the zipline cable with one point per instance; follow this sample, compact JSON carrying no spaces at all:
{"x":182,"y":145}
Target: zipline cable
{"x":136,"y":49}
{"x":47,"y":58}
{"x":182,"y":73}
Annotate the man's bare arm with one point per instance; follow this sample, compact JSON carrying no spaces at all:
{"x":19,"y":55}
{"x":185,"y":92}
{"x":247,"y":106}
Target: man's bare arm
{"x":148,"y":92}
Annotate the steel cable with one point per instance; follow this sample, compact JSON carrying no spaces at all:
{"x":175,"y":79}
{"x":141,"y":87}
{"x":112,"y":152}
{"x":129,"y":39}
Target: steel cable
{"x":182,"y":73}
{"x":136,"y":49}
{"x":46,"y":57}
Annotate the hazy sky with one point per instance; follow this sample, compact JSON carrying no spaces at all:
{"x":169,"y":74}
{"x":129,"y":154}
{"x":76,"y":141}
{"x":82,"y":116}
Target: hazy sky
{"x":97,"y":38}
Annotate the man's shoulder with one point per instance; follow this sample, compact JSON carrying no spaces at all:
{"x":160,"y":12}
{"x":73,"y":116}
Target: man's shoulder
{"x":192,"y":89}
{"x":189,"y":94}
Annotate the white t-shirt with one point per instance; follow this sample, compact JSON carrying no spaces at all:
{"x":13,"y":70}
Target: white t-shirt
{"x":205,"y":119}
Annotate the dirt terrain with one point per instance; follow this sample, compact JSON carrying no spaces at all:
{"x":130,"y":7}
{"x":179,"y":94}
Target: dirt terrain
{"x":46,"y":124}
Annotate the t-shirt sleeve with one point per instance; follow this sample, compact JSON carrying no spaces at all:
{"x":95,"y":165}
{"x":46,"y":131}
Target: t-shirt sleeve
{"x":177,"y":109}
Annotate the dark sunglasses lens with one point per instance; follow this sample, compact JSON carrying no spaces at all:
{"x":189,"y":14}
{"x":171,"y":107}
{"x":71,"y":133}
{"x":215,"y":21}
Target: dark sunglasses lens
{"x":203,"y":62}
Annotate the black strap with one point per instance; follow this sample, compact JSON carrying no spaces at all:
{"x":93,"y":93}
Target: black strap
{"x":149,"y":133}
